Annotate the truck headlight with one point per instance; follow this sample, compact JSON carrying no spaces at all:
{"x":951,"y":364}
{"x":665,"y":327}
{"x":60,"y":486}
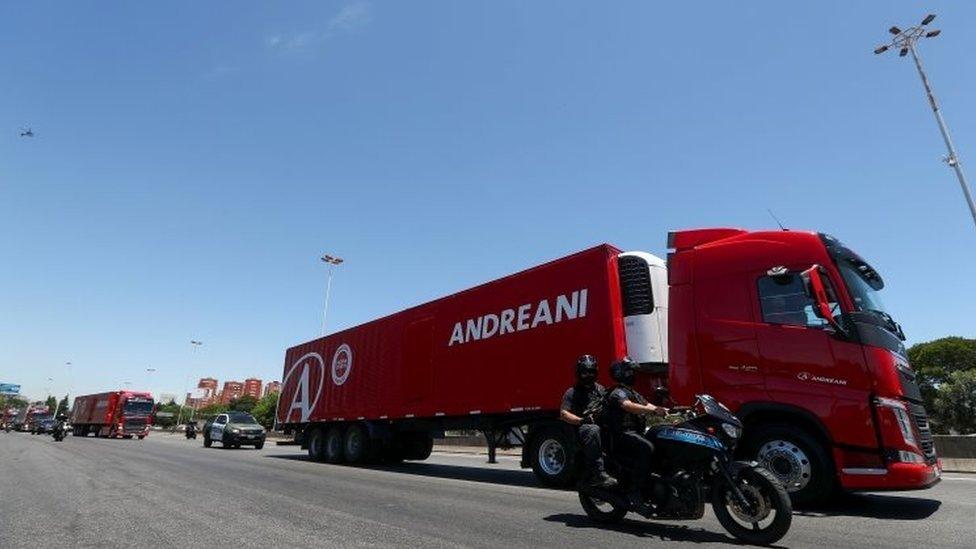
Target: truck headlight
{"x":900,"y":412}
{"x":910,"y":457}
{"x":731,"y":430}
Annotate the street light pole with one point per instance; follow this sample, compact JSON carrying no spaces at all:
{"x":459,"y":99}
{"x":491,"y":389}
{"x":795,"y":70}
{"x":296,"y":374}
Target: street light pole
{"x":332,"y":261}
{"x":906,"y":40}
{"x":196,"y":345}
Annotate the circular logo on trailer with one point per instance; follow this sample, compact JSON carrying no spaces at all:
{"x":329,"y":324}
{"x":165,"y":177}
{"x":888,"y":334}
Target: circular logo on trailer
{"x":301,"y":388}
{"x":803,"y":376}
{"x":341,"y":364}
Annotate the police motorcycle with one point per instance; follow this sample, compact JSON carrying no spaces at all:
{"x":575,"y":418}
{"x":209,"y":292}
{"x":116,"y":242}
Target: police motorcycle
{"x":191,"y":430}
{"x":60,"y":429}
{"x":693,"y":463}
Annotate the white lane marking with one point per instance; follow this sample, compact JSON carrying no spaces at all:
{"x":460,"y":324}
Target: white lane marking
{"x":960,"y":478}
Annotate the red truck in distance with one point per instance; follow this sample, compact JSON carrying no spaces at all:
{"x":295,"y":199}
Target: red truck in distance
{"x":784,"y":327}
{"x":116,"y":414}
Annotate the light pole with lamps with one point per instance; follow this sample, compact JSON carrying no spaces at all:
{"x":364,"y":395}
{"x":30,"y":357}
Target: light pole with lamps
{"x":332,"y":261}
{"x":906,"y":41}
{"x":196,"y":345}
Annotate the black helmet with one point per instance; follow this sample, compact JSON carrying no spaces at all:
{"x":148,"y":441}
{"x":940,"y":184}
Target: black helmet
{"x":586,"y":369}
{"x":622,"y":371}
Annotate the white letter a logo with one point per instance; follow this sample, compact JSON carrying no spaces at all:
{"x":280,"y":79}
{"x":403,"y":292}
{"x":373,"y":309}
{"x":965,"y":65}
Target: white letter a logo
{"x":300,"y":400}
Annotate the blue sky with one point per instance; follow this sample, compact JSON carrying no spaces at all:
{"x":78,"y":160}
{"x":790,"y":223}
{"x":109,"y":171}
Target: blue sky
{"x":192,"y":161}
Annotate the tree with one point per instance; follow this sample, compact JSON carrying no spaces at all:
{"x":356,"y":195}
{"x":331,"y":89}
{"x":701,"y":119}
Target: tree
{"x":955,"y":403}
{"x":12,"y":401}
{"x":51,"y":403}
{"x":211,"y":410}
{"x":166,"y":414}
{"x":64,"y":406}
{"x":245,"y":403}
{"x":264,"y":410}
{"x":935,"y":361}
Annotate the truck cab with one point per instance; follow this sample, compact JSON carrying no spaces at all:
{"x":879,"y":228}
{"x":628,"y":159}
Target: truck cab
{"x":789,"y":330}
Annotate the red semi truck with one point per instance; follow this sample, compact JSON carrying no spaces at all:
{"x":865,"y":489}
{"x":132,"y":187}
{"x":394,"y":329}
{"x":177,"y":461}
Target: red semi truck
{"x":122,"y":414}
{"x":784,"y":327}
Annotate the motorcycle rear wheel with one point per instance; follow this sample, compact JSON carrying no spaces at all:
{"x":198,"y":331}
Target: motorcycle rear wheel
{"x":774,"y":511}
{"x":604,"y":512}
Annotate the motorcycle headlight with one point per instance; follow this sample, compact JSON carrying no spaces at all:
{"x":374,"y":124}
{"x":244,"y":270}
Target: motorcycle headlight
{"x":731,"y":430}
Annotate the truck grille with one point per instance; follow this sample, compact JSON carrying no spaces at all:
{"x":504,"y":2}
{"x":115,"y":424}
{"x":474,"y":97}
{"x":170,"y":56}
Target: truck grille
{"x":134,"y":425}
{"x":926,"y":441}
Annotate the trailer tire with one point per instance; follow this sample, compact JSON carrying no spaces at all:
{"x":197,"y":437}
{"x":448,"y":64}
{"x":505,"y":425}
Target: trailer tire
{"x":418,"y":446}
{"x":334,"y":446}
{"x":796,"y":458}
{"x":316,"y":445}
{"x":356,"y":444}
{"x":553,"y":457}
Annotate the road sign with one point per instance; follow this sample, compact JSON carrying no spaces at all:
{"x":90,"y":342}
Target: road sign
{"x":9,"y":389}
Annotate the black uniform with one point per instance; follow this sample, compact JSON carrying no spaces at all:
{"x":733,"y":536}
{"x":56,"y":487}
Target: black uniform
{"x":628,"y":431}
{"x":575,"y":401}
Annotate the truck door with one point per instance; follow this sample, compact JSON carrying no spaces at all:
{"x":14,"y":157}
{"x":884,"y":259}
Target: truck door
{"x":805,"y":363}
{"x":730,"y":364}
{"x":217,"y":429}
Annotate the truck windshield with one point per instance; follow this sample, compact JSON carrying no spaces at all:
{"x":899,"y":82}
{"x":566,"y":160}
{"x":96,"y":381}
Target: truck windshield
{"x":865,"y":296}
{"x":138,"y":406}
{"x":863,"y":283}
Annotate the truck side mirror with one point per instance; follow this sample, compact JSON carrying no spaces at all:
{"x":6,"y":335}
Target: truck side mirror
{"x":816,"y":289}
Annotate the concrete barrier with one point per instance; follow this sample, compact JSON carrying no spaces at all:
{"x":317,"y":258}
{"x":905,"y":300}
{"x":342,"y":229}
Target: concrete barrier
{"x":957,"y":452}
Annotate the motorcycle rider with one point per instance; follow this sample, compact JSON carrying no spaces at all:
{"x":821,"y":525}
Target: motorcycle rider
{"x":60,"y":426}
{"x":625,"y":417}
{"x":576,"y":400}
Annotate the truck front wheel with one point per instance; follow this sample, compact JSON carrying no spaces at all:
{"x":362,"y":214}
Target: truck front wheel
{"x":553,"y":457}
{"x":797,"y":459}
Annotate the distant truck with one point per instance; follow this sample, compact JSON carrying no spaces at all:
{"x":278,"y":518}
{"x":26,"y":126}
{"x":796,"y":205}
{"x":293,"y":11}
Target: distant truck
{"x":29,"y":415}
{"x":116,"y":414}
{"x":784,"y":327}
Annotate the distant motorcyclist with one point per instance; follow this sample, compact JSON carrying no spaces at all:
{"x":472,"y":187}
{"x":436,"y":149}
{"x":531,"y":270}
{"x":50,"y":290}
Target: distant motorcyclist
{"x":191,"y":429}
{"x":625,"y":418}
{"x":576,"y":400}
{"x":60,"y":428}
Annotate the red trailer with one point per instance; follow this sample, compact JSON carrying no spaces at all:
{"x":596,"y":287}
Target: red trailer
{"x":491,"y":358}
{"x":121,"y":414}
{"x":784,"y":327}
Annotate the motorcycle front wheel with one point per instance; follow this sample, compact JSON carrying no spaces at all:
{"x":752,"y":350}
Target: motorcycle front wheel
{"x":771,"y":512}
{"x":602,"y":511}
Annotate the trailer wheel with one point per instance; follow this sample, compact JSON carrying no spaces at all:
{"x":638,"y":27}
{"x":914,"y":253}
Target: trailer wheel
{"x":553,"y":454}
{"x":356,"y":445}
{"x":334,"y":446}
{"x":316,"y":445}
{"x":797,"y":459}
{"x":418,"y":446}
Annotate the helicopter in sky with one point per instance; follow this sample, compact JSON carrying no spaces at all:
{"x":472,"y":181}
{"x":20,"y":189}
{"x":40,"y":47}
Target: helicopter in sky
{"x":28,"y":132}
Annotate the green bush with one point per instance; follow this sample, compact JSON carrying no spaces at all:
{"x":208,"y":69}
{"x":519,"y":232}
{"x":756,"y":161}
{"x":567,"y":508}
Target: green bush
{"x":955,"y":402}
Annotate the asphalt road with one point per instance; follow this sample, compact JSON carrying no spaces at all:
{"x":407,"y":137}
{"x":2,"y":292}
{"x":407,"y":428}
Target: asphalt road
{"x":167,"y":491}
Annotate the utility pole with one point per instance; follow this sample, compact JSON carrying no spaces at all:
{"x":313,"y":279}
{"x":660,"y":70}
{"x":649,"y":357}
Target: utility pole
{"x":332,"y":261}
{"x":906,"y":41}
